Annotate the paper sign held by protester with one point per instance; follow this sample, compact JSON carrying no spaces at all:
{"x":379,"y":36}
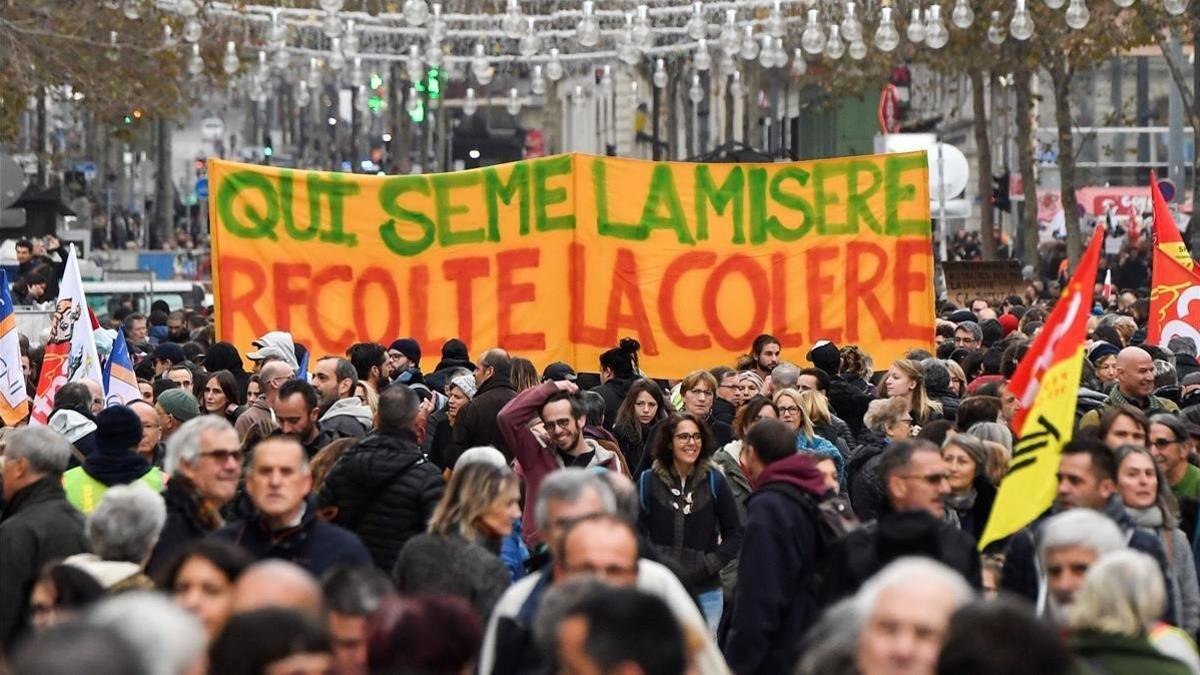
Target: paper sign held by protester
{"x":992,"y":280}
{"x":557,"y":258}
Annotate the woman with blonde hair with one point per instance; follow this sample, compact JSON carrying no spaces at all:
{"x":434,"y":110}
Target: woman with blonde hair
{"x":906,"y":378}
{"x":789,"y":405}
{"x":816,"y":407}
{"x":477,"y":511}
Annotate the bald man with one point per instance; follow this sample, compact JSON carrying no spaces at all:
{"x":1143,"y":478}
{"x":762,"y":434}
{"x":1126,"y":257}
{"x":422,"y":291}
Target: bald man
{"x":271,"y":377}
{"x":1135,"y":382}
{"x":278,"y":583}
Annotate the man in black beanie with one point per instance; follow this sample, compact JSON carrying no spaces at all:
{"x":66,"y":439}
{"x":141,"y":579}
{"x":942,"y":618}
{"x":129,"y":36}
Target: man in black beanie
{"x":114,"y":462}
{"x":454,"y":355}
{"x":848,"y":403}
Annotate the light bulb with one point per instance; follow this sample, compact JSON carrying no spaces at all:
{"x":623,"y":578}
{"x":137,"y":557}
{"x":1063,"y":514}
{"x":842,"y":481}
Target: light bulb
{"x":513,"y":24}
{"x":1077,"y":14}
{"x":726,"y":65}
{"x":314,"y":73}
{"x":470,"y":105}
{"x":169,"y":39}
{"x":192,"y":30}
{"x":587,"y":33}
{"x":337,"y":60}
{"x":1175,"y":7}
{"x":331,"y":5}
{"x":531,"y":42}
{"x":281,"y":59}
{"x":1021,"y":26}
{"x":936,"y":34}
{"x":661,"y":79}
{"x":195,"y":62}
{"x":962,"y":16}
{"x":643,"y":32}
{"x":696,"y":92}
{"x":834,"y":47}
{"x":887,"y":37}
{"x":750,"y":49}
{"x":996,"y":32}
{"x":303,"y":98}
{"x":578,"y":97}
{"x":781,"y":59}
{"x":735,"y":85}
{"x":480,"y":67}
{"x":537,"y":82}
{"x":132,"y":9}
{"x":700,"y":58}
{"x":351,"y":43}
{"x":812,"y":40}
{"x":731,"y":39}
{"x":514,"y":102}
{"x":799,"y":65}
{"x":851,"y":26}
{"x":554,"y":67}
{"x":627,"y":50}
{"x":857,"y":50}
{"x":916,"y":27}
{"x":775,"y":26}
{"x":433,"y":55}
{"x":186,"y":8}
{"x":766,"y":54}
{"x":332,"y":26}
{"x":1120,"y":3}
{"x":437,"y":26}
{"x":114,"y":49}
{"x":1055,"y":4}
{"x":414,"y":64}
{"x":277,"y":31}
{"x":230,"y":63}
{"x":416,"y":12}
{"x":697,"y":27}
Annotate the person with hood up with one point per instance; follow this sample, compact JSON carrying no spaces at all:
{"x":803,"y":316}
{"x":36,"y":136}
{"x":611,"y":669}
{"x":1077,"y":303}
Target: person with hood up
{"x":115,"y":461}
{"x":618,"y":369}
{"x":122,"y":531}
{"x":73,"y":418}
{"x":343,"y":415}
{"x":454,"y":355}
{"x":774,"y":602}
{"x":276,"y":345}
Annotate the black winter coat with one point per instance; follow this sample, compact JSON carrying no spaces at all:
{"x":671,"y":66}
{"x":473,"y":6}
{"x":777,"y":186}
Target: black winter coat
{"x":437,"y":380}
{"x":384,"y":490}
{"x":849,"y":403}
{"x":614,"y":392}
{"x":39,"y":525}
{"x":185,"y":524}
{"x":863,"y":552}
{"x":973,"y":520}
{"x":865,"y":485}
{"x":476,"y":423}
{"x":949,"y":402}
{"x":314,"y":544}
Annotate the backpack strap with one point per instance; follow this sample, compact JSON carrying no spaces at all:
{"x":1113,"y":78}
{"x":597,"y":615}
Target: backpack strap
{"x":644,"y":489}
{"x":712,"y":481}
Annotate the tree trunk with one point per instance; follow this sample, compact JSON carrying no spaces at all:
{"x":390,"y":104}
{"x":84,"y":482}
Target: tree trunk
{"x":987,"y":228}
{"x":1060,"y":78}
{"x":1025,"y":140}
{"x":41,"y":138}
{"x":164,"y":201}
{"x":1191,"y":108}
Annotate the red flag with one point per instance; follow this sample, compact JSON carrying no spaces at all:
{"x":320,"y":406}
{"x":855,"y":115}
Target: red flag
{"x":1062,"y":336}
{"x":1174,"y":283}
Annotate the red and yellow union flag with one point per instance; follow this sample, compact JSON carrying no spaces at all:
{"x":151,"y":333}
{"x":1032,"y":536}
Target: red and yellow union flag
{"x":1175,"y":282}
{"x":1047,"y":385}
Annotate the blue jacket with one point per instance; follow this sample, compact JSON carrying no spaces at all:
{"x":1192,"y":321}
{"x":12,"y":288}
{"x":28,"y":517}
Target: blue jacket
{"x":313,"y":544}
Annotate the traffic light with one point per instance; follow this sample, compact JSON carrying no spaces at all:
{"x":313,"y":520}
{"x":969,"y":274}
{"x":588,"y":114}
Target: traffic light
{"x":1000,"y":197}
{"x":268,"y":146}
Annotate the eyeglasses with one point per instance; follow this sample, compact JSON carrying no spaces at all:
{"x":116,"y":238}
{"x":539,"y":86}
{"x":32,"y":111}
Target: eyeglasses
{"x":701,"y":393}
{"x":931,"y":478}
{"x":1163,"y":442}
{"x":689,"y":438}
{"x":788,"y":409}
{"x":564,"y":423}
{"x":223,"y":456}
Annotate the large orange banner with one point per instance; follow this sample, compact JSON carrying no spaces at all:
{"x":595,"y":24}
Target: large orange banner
{"x":557,"y":258}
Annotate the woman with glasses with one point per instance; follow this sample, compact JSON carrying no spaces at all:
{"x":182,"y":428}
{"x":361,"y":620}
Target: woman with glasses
{"x":1148,"y":500}
{"x":906,"y":378}
{"x":888,"y":420}
{"x":688,"y":510}
{"x":790,"y":405}
{"x":641,"y":409}
{"x":698,"y":391}
{"x":1170,"y":444}
{"x":971,"y":492}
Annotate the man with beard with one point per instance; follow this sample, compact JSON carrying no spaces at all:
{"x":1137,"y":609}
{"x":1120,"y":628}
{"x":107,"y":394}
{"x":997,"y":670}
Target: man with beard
{"x":765,"y":352}
{"x":343,"y":415}
{"x":555,"y":443}
{"x":1071,"y":543}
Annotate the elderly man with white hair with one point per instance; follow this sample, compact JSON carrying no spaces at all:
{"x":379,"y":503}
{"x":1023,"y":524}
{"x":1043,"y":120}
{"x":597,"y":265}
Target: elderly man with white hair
{"x":1115,"y":626}
{"x":39,"y":523}
{"x":204,"y":461}
{"x":168,"y":639}
{"x":905,"y":610}
{"x":1070,"y":543}
{"x":122,"y":531}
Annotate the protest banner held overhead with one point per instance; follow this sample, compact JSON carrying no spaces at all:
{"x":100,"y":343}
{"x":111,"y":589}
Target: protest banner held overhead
{"x":559,"y":257}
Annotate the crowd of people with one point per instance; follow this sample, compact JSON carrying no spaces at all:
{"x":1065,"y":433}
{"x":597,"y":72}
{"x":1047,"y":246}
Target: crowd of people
{"x":793,"y":510}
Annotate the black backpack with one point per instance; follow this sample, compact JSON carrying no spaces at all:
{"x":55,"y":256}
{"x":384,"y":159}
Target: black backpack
{"x":831,"y":515}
